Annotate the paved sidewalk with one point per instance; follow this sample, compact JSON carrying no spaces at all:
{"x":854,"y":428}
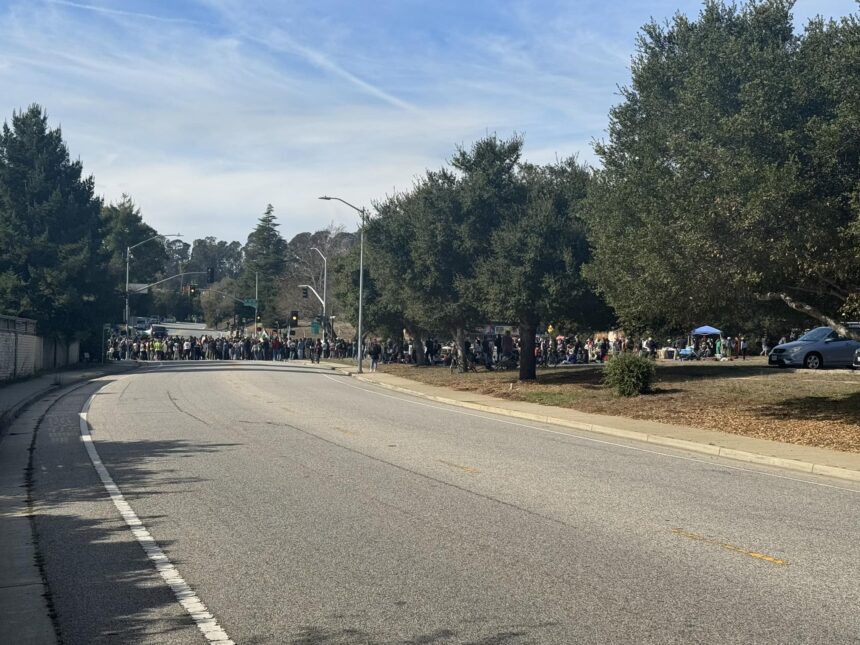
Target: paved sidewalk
{"x":24,"y":616}
{"x":17,"y":396}
{"x":833,"y":463}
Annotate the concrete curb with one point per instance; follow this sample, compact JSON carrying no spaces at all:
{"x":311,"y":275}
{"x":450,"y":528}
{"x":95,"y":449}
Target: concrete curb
{"x":15,"y":411}
{"x":9,"y":416}
{"x":656,"y":440}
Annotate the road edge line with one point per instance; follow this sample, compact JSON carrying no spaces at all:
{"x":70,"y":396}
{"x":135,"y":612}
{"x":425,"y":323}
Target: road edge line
{"x":189,"y":600}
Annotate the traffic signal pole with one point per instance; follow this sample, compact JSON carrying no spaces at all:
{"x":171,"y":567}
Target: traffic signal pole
{"x":312,"y":290}
{"x":256,"y":300}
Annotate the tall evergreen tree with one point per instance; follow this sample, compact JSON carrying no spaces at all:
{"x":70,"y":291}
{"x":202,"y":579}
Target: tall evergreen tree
{"x":123,"y":227}
{"x":265,"y":257}
{"x":53,"y":266}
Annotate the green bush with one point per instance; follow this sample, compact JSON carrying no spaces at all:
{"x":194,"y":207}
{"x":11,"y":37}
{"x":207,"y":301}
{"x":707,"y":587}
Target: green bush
{"x":629,"y":374}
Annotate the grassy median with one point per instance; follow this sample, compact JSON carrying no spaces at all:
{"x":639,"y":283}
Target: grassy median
{"x":814,"y":408}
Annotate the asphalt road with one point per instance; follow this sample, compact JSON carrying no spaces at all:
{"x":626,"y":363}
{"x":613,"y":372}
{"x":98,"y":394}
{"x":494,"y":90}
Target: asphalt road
{"x":305,"y":507}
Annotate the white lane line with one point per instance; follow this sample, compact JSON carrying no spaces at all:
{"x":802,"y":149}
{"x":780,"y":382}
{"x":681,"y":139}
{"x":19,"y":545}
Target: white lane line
{"x":205,"y":621}
{"x":454,"y":410}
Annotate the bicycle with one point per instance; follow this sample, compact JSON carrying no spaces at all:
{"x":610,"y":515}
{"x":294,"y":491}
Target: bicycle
{"x":507,"y":362}
{"x":455,"y":364}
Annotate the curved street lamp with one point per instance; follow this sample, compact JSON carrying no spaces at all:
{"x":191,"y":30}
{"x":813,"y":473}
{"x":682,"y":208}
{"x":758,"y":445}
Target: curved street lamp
{"x":325,"y":282}
{"x":363,"y":213}
{"x":128,"y":261}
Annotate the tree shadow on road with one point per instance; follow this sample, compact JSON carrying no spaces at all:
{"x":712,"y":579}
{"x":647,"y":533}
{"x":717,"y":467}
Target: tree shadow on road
{"x":314,"y":635}
{"x":102,"y":587}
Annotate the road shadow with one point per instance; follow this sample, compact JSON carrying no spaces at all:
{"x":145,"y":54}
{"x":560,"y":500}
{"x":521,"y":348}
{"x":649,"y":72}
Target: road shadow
{"x":102,"y":587}
{"x":315,"y":635}
{"x":134,"y":462}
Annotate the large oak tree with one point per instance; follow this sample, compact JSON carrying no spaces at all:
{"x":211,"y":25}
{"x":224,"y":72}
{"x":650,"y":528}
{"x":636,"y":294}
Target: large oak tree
{"x":731,"y":172}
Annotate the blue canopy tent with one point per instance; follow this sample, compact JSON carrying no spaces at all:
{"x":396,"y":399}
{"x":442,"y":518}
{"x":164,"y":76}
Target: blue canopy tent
{"x":689,"y":353}
{"x":707,"y":331}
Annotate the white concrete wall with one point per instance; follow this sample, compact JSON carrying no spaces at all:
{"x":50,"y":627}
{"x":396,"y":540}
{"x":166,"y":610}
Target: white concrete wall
{"x":24,"y":354}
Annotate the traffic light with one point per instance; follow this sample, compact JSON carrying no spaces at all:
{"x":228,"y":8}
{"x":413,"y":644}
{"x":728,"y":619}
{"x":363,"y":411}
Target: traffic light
{"x":294,"y":319}
{"x":304,"y":292}
{"x":210,"y":275}
{"x":192,"y":290}
{"x":259,"y":319}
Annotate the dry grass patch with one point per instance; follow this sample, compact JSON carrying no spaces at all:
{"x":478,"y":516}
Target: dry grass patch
{"x":742,"y":397}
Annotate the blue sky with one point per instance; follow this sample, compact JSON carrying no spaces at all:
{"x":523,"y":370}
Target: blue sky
{"x":204,"y":111}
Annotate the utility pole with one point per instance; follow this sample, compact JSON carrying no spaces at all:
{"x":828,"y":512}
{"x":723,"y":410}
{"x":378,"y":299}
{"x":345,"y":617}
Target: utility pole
{"x":256,"y":301}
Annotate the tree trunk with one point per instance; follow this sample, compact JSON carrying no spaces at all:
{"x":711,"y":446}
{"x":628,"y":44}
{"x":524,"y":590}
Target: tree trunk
{"x":528,"y":367}
{"x":812,"y":312}
{"x":417,"y":342}
{"x":460,"y":336}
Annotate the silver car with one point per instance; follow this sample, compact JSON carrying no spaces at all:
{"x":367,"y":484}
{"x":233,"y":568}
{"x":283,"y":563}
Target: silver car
{"x":815,"y":349}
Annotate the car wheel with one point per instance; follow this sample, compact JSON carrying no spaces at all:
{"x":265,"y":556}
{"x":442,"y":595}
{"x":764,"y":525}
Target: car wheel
{"x":813,"y":361}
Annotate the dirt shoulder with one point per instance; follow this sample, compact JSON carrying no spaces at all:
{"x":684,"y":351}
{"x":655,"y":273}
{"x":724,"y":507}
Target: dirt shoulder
{"x":812,"y":408}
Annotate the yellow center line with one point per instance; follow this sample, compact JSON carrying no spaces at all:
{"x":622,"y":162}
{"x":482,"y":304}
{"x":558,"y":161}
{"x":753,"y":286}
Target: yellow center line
{"x":468,"y":469}
{"x":730,"y":547}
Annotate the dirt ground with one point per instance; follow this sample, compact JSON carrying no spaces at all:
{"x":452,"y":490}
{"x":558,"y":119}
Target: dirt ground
{"x":813,"y":408}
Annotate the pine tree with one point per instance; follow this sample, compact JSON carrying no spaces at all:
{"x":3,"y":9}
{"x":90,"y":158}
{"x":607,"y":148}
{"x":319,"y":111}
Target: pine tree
{"x":265,"y":258}
{"x":53,"y":266}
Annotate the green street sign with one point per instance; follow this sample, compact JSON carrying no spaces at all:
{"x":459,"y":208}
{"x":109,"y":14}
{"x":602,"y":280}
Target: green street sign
{"x":315,"y":327}
{"x":250,"y":302}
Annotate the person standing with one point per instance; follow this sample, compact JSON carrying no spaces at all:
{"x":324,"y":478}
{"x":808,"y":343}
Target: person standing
{"x":375,"y":351}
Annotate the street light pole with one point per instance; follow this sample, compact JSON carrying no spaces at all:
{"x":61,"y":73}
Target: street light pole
{"x":360,"y":293}
{"x":128,"y":262}
{"x":363,"y":214}
{"x":325,"y":282}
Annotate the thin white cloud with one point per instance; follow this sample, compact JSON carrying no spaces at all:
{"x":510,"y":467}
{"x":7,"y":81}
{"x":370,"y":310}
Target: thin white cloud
{"x":203,"y":125}
{"x":248,"y":27}
{"x":120,"y":12}
{"x":281,"y":42}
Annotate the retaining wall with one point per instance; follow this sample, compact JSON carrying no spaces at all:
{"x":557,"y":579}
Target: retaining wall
{"x":23,"y":353}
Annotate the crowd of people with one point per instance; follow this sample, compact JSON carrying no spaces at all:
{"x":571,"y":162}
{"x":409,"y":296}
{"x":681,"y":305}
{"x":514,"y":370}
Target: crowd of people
{"x":489,"y":350}
{"x":194,"y":348}
{"x":504,"y":349}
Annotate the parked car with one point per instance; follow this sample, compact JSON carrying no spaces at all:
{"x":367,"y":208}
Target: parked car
{"x":157,"y":331}
{"x":817,"y":348}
